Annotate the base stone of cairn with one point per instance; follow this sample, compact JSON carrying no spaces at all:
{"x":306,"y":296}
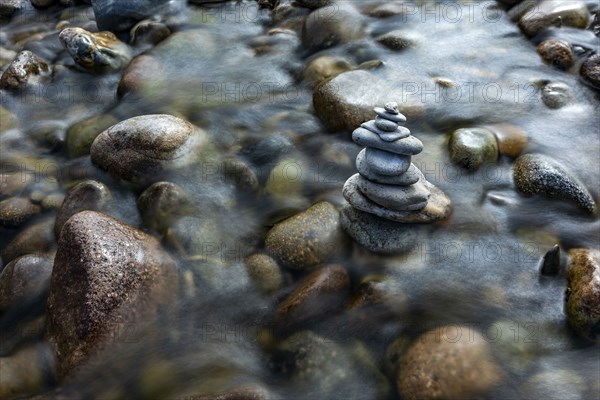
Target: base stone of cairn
{"x":389,"y":199}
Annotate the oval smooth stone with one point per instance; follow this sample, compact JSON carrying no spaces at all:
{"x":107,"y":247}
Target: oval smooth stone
{"x":412,"y":175}
{"x":408,"y":145}
{"x":392,"y":117}
{"x":385,"y":124}
{"x":385,"y":163}
{"x":399,"y":198}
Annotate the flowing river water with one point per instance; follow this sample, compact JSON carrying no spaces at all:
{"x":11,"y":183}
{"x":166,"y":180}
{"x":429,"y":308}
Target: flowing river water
{"x":240,"y":72}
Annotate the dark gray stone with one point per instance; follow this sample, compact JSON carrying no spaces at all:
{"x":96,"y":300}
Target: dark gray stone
{"x":540,"y":174}
{"x":377,"y":234}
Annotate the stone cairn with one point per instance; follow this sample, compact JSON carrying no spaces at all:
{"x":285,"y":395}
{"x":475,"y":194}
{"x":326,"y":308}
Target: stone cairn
{"x":388,"y":185}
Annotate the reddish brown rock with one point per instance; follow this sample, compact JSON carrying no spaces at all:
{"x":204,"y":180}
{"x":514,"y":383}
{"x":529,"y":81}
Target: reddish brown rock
{"x":321,"y":291}
{"x":108,"y":278}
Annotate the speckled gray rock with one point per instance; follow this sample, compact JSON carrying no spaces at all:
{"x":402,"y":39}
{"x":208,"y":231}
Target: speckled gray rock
{"x":116,"y":15}
{"x":556,"y":95}
{"x":582,"y":297}
{"x":17,"y":210}
{"x":9,"y":7}
{"x":145,"y":148}
{"x":100,"y":51}
{"x":557,"y":53}
{"x":24,"y":278}
{"x":546,"y":13}
{"x":264,"y":271}
{"x":162,"y":203}
{"x":379,"y":235}
{"x":590,"y":70}
{"x":25,"y":68}
{"x":309,"y":238}
{"x":107,"y":277}
{"x":473,"y":147}
{"x":451,"y":362}
{"x":540,"y":174}
{"x":87,"y":195}
{"x":396,"y":40}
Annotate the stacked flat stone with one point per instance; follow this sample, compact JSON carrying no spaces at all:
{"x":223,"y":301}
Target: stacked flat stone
{"x":388,"y":184}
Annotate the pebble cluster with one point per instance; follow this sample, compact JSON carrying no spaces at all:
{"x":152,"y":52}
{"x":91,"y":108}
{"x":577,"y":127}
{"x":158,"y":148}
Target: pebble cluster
{"x":388,"y":184}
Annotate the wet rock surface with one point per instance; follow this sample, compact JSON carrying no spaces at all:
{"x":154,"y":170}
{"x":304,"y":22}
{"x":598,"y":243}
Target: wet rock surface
{"x":277,"y":88}
{"x":16,"y":210}
{"x":146,"y":147}
{"x":540,"y":174}
{"x":25,"y":68}
{"x":106,"y":275}
{"x":473,"y":147}
{"x":309,"y":238}
{"x":441,"y":364}
{"x":24,"y":278}
{"x":582,"y":297}
{"x":99,"y":51}
{"x":88,"y":195}
{"x":590,"y":70}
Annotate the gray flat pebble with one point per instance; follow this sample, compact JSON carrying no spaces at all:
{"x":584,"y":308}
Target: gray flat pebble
{"x":392,"y":117}
{"x":409,"y":145}
{"x":385,"y":163}
{"x":385,"y":124}
{"x":438,"y":207}
{"x":412,"y":175}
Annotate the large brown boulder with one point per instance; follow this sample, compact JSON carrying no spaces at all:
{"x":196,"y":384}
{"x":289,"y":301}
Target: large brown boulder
{"x":108,"y":278}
